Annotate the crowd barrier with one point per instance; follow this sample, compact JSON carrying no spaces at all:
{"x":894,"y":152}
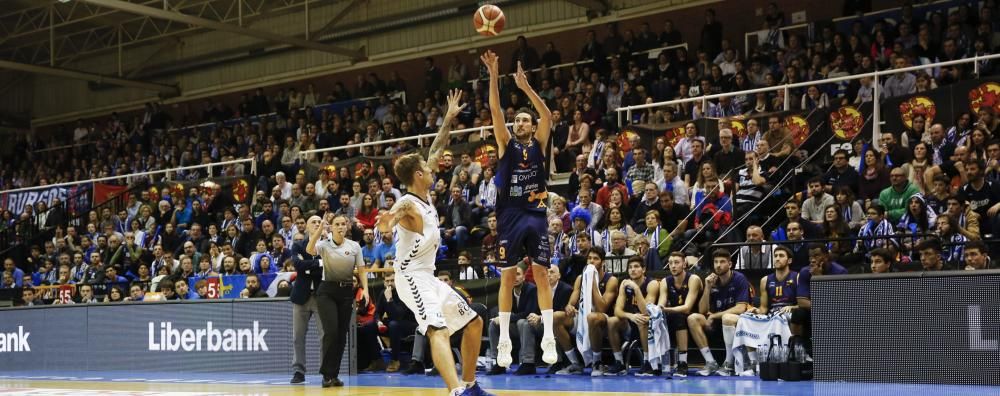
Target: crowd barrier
{"x":913,"y":327}
{"x":251,"y":336}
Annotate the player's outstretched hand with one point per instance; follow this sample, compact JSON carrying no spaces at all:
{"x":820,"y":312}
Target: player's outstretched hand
{"x":453,"y":107}
{"x":520,"y":78}
{"x":491,"y":61}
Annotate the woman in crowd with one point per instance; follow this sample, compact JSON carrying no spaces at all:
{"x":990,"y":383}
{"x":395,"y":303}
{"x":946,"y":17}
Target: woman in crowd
{"x":874,"y":177}
{"x":851,"y":211}
{"x":368,"y":212}
{"x":920,"y":162}
{"x":614,"y":220}
{"x":834,"y":226}
{"x":706,"y":173}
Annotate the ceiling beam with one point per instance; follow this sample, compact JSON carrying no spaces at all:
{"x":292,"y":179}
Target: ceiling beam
{"x":337,"y":18}
{"x":171,"y":90}
{"x":592,"y":5}
{"x":225,"y":27}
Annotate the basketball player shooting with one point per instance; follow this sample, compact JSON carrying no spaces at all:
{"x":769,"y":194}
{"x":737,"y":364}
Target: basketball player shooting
{"x":521,"y":195}
{"x":439,"y":310}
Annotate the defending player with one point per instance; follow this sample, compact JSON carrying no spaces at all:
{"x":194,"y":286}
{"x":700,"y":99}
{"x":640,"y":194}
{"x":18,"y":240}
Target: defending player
{"x":777,"y":301}
{"x":439,"y":310}
{"x":521,"y":196}
{"x":679,"y":294}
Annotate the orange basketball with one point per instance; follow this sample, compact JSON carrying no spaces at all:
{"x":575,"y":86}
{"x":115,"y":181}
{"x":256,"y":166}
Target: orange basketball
{"x":489,"y":20}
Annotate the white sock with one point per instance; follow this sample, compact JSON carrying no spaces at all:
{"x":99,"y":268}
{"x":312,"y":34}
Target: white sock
{"x":728,"y":333}
{"x":470,"y":384}
{"x":571,"y":355}
{"x":547,"y":323}
{"x":707,"y":354}
{"x":682,"y":357}
{"x":504,"y":326}
{"x":457,"y":391}
{"x":618,"y":357}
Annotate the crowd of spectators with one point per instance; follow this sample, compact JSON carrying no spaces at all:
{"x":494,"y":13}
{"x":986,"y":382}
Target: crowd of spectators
{"x":653,"y":203}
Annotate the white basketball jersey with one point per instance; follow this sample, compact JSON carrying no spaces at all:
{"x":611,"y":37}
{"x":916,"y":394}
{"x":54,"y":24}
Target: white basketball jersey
{"x":415,"y":251}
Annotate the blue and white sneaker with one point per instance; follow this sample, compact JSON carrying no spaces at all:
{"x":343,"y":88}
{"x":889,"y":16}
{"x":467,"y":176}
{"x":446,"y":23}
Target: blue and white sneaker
{"x":475,"y":390}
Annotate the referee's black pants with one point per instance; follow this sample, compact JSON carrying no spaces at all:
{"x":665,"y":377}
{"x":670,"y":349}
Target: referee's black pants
{"x":334,"y":301}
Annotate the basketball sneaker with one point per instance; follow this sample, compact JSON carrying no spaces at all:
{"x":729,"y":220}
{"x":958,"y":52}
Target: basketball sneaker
{"x":615,"y":369}
{"x":572,"y":369}
{"x":682,"y":370}
{"x":475,"y":390}
{"x":647,"y":371}
{"x":504,"y":347}
{"x":549,"y":354}
{"x":597,"y":371}
{"x":727,"y":370}
{"x":709,"y":369}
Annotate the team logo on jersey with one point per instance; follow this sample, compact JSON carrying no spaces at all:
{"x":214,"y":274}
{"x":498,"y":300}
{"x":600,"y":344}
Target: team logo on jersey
{"x":987,"y":96}
{"x":846,"y":122}
{"x":917,"y":106}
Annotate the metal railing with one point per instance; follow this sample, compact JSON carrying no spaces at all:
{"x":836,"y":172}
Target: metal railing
{"x":785,"y":89}
{"x":587,"y":61}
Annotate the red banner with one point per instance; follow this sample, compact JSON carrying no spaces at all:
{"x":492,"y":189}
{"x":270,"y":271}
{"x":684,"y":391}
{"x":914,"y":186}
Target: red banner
{"x":104,"y":192}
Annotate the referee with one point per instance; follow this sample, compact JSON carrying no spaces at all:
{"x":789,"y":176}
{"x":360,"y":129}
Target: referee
{"x":335,"y":297}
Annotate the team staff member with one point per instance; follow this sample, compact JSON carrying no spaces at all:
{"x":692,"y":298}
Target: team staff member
{"x":308,"y":278}
{"x":335,"y":296}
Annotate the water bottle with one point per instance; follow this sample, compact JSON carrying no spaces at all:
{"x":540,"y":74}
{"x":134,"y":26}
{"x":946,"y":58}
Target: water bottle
{"x":800,"y":353}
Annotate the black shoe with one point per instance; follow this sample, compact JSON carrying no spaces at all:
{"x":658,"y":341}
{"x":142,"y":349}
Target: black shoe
{"x":328,"y":382}
{"x":433,"y":371}
{"x":496,"y":370}
{"x":298,"y":378}
{"x":682,"y":369}
{"x":647,"y":371}
{"x":526,"y":369}
{"x":615,"y":369}
{"x":555,"y":368}
{"x":415,"y":368}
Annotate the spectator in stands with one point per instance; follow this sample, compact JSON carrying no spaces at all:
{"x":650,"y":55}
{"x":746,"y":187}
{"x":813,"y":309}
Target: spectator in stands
{"x":875,"y":233}
{"x":457,"y":221}
{"x":778,"y":137}
{"x":525,"y":306}
{"x":814,"y":206}
{"x":397,"y":319}
{"x":976,"y":256}
{"x":682,"y":148}
{"x":873,"y":174}
{"x":982,"y":196}
{"x":840,"y":174}
{"x":641,"y":170}
{"x":595,"y":211}
{"x":252,"y":289}
{"x":881,"y":261}
{"x":898,"y":84}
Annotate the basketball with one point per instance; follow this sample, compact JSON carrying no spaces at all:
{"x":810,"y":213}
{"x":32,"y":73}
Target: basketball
{"x":489,"y":20}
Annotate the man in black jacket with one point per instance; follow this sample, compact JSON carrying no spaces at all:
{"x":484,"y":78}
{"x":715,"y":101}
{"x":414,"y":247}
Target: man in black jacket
{"x":308,"y":276}
{"x":524,"y":319}
{"x":458,"y":220}
{"x":399,"y":321}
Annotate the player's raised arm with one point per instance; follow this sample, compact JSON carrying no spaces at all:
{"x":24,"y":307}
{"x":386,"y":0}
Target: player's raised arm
{"x":444,"y":133}
{"x":500,"y":131}
{"x":544,"y":114}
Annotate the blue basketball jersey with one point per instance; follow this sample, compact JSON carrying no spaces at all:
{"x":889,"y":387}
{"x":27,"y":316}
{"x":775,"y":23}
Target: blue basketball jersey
{"x":521,"y":178}
{"x":781,"y":293}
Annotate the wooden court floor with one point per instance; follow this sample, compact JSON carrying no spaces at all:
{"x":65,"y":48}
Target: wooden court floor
{"x":87,"y":388}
